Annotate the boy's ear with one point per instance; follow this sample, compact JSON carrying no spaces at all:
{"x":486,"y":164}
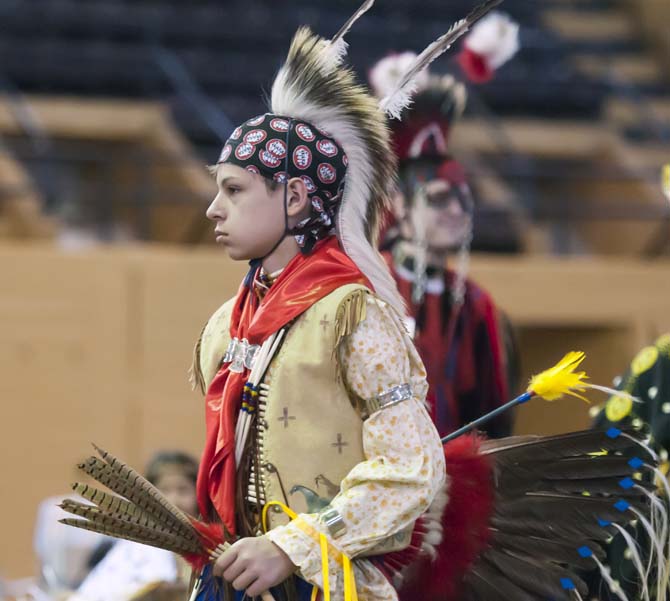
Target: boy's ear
{"x":297,"y":197}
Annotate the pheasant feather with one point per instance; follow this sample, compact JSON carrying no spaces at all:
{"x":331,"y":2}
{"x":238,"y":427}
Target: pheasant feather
{"x":96,"y":516}
{"x":156,"y":496}
{"x":114,"y":505}
{"x":116,"y":533}
{"x":138,"y":512}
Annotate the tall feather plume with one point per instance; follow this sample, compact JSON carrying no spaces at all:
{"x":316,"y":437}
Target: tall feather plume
{"x":401,"y":97}
{"x":337,"y":49}
{"x":310,"y":87}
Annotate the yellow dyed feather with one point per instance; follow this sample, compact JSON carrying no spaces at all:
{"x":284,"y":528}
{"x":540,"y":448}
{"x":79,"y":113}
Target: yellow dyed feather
{"x":561,"y":379}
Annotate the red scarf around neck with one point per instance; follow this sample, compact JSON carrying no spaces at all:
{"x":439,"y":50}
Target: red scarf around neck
{"x":304,"y":281}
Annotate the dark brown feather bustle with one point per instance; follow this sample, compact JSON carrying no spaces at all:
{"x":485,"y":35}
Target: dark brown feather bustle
{"x":555,"y":497}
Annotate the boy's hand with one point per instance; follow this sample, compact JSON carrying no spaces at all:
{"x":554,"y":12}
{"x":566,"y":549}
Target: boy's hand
{"x":254,"y":565}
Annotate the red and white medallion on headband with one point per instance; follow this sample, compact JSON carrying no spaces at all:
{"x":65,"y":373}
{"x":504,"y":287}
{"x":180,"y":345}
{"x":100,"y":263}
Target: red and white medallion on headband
{"x":309,"y":184}
{"x":317,"y":203}
{"x":277,"y":148}
{"x":255,"y":136}
{"x":305,"y":132}
{"x":326,"y":148}
{"x":245,"y":151}
{"x":225,"y":153}
{"x":255,"y":121}
{"x":280,"y":125}
{"x":326,"y":173}
{"x":302,"y":157}
{"x":269,"y":159}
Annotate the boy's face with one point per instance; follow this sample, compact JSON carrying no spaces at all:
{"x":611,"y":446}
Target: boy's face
{"x":249,"y":217}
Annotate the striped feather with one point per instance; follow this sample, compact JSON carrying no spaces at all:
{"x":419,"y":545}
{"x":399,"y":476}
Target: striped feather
{"x":122,"y":533}
{"x":149,"y":534}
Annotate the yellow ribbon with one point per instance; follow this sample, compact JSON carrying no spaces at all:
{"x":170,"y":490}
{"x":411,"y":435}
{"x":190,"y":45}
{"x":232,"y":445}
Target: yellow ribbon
{"x":350,"y":593}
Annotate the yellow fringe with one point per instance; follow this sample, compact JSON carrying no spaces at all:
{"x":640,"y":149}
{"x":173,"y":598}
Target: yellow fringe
{"x":350,"y":593}
{"x":351,"y":311}
{"x":195,"y":376}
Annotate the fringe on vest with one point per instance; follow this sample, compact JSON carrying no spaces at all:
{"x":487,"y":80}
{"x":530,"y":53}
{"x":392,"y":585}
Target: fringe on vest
{"x":351,"y":311}
{"x":195,"y":376}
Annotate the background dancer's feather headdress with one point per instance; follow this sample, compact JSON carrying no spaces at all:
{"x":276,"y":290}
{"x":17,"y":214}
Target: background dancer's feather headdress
{"x":423,"y":108}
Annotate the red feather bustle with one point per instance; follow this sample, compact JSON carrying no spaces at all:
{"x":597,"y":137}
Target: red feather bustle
{"x":465,"y":524}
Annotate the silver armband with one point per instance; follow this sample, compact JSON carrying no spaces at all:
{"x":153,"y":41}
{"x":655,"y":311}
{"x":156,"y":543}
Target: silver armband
{"x":334,"y":522}
{"x":393,"y":396}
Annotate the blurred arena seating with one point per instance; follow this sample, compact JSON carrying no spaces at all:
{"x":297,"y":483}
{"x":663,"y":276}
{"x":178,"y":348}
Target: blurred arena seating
{"x":587,"y":72}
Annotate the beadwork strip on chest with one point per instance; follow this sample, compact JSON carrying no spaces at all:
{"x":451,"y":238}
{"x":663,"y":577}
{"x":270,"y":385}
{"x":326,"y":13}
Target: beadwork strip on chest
{"x":256,"y":358}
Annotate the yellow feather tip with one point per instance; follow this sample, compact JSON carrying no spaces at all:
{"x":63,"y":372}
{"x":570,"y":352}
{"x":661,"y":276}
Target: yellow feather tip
{"x":561,"y":379}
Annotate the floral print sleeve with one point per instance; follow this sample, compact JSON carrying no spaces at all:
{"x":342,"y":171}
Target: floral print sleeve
{"x":404,"y":467}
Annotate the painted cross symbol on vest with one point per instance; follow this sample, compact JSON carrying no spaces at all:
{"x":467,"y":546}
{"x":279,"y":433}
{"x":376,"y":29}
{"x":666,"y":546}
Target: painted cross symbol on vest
{"x":324,"y":323}
{"x":339,"y":444}
{"x":286,"y":417}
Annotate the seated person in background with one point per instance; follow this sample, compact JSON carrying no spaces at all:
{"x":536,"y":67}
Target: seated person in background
{"x":134,"y":571}
{"x":63,"y":557}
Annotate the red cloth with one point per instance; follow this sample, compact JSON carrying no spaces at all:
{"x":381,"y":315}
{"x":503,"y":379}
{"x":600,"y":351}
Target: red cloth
{"x":305,"y":280}
{"x":462,"y":350}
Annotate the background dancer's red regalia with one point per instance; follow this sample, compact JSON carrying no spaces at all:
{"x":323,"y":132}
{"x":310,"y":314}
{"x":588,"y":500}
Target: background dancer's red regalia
{"x":466,"y":343}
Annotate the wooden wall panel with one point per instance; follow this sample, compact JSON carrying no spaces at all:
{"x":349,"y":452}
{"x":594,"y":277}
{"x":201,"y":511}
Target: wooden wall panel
{"x":62,"y":380}
{"x":176,"y":294}
{"x":95,"y":347}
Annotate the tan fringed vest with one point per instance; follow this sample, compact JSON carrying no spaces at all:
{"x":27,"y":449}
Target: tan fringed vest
{"x":310,"y":431}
